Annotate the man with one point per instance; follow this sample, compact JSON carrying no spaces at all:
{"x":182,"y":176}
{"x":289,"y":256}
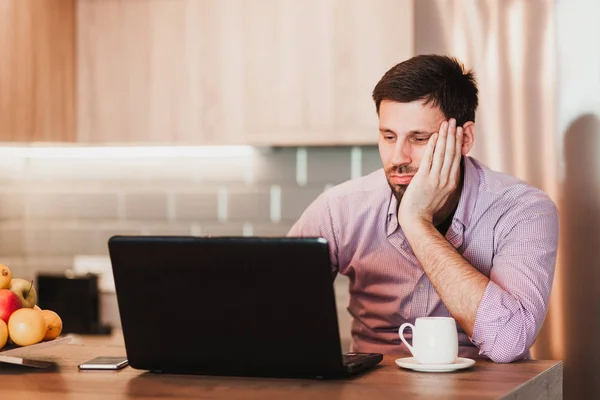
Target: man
{"x":435,"y":232}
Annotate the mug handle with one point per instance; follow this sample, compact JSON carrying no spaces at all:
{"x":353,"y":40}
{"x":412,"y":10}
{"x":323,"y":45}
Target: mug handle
{"x":401,"y":334}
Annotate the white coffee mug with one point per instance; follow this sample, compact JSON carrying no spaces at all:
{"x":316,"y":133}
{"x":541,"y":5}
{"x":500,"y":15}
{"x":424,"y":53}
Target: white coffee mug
{"x":434,"y":340}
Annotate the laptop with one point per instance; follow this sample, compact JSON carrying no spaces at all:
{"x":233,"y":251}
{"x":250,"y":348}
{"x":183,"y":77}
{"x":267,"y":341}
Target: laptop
{"x":235,"y":306}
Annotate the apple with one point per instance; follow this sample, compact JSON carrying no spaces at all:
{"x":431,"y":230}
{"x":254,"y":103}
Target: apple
{"x":26,"y":326}
{"x":3,"y":333}
{"x":25,"y":290}
{"x":5,"y":277}
{"x":9,"y":303}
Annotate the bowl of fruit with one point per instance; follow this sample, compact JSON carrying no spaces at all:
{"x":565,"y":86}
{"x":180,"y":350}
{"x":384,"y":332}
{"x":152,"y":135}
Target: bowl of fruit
{"x":22,"y":322}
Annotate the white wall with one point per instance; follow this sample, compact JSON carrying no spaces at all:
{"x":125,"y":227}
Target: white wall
{"x":578,"y":137}
{"x":578,"y":32}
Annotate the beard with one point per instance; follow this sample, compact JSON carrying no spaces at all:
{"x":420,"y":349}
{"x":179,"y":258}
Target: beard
{"x":399,"y":190}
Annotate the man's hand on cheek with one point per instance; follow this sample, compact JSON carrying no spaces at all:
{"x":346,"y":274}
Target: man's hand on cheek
{"x":437,"y":177}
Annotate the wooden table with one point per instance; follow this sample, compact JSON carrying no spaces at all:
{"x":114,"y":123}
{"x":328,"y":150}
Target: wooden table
{"x":486,"y":380}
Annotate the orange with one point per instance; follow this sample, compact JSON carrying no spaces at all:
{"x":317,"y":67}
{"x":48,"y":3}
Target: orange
{"x":5,"y":277}
{"x":53,"y":324}
{"x":3,"y":333}
{"x":26,"y":326}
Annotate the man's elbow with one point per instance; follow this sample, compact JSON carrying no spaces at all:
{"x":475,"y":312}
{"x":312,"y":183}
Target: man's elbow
{"x":507,"y":356}
{"x":509,"y":336}
{"x":511,"y":347}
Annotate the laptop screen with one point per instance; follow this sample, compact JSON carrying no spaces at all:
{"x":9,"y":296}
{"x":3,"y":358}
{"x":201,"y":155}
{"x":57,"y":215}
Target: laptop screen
{"x":227,"y":305}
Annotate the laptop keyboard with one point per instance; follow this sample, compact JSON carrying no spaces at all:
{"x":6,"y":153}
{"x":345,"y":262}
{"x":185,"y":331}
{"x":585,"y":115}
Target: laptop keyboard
{"x":350,"y":358}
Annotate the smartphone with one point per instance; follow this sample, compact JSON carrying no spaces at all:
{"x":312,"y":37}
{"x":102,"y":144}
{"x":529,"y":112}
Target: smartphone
{"x":105,"y":362}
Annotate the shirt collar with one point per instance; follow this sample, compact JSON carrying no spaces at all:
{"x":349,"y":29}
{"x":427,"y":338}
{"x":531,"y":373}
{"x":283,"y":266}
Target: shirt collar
{"x":392,"y":215}
{"x":469,"y":192}
{"x":466,"y":204}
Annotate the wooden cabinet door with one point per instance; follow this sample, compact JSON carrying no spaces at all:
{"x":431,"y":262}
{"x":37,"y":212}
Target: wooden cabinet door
{"x":37,"y":71}
{"x":318,"y":62}
{"x":267,"y":72}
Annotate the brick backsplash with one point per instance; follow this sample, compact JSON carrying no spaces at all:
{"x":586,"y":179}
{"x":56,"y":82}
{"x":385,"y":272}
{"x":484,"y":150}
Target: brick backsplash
{"x":328,"y":165}
{"x":53,"y":209}
{"x":145,"y":205}
{"x":271,"y":229}
{"x":275,"y":166}
{"x":70,"y":205}
{"x":12,"y":204}
{"x":58,"y":241}
{"x":63,"y":207}
{"x":12,"y":238}
{"x":196,"y":206}
{"x":370,"y":160}
{"x":249,"y":203}
{"x":295,"y":199}
{"x":165,"y":228}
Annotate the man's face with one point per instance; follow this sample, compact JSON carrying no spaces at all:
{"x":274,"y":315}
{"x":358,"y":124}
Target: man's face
{"x":404,"y":130}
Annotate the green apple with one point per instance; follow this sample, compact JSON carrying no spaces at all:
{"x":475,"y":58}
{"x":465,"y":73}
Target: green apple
{"x":25,"y":290}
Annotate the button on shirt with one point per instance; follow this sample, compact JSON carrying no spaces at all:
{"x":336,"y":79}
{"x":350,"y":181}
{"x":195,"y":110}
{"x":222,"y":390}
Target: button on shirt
{"x":505,"y":228}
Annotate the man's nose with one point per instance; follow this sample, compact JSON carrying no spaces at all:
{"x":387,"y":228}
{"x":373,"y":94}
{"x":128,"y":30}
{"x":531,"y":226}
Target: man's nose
{"x":402,"y":154}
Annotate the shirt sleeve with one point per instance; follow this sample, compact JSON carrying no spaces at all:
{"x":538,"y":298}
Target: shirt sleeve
{"x":515,"y":302}
{"x":317,"y":221}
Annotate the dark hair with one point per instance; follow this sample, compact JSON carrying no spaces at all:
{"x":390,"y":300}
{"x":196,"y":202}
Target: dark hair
{"x":440,"y":81}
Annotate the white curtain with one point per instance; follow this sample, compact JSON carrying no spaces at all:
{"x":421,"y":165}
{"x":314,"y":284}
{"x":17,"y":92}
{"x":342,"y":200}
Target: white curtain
{"x":529,"y":125}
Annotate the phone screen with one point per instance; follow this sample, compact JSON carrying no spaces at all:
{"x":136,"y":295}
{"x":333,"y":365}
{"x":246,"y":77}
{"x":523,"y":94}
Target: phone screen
{"x":105,"y":362}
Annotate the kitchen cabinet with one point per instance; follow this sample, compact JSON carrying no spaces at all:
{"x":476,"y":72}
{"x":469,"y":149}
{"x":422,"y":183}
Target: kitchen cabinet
{"x":261,"y":72}
{"x":37,"y":70}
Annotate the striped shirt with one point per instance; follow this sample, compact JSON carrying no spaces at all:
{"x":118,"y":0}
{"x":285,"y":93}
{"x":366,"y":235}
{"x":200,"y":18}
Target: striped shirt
{"x":506,"y":229}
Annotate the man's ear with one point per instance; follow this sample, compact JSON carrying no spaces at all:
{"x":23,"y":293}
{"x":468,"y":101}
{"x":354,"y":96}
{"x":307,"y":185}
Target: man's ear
{"x":468,"y":137}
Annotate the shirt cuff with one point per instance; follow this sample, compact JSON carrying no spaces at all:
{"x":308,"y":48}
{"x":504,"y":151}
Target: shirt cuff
{"x":495,"y":310}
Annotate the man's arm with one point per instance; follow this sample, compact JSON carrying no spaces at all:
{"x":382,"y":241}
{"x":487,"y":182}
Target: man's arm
{"x":459,"y":285}
{"x":503,"y":314}
{"x":516,"y":300}
{"x":317,"y":221}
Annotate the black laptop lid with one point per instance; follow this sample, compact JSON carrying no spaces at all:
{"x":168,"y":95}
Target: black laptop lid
{"x":227,"y":306}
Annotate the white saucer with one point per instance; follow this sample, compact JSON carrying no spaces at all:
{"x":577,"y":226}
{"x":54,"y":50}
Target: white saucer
{"x":411,"y":363}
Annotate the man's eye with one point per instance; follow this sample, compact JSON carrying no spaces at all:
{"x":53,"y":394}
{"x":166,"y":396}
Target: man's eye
{"x":389,"y":137}
{"x":420,"y":139}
